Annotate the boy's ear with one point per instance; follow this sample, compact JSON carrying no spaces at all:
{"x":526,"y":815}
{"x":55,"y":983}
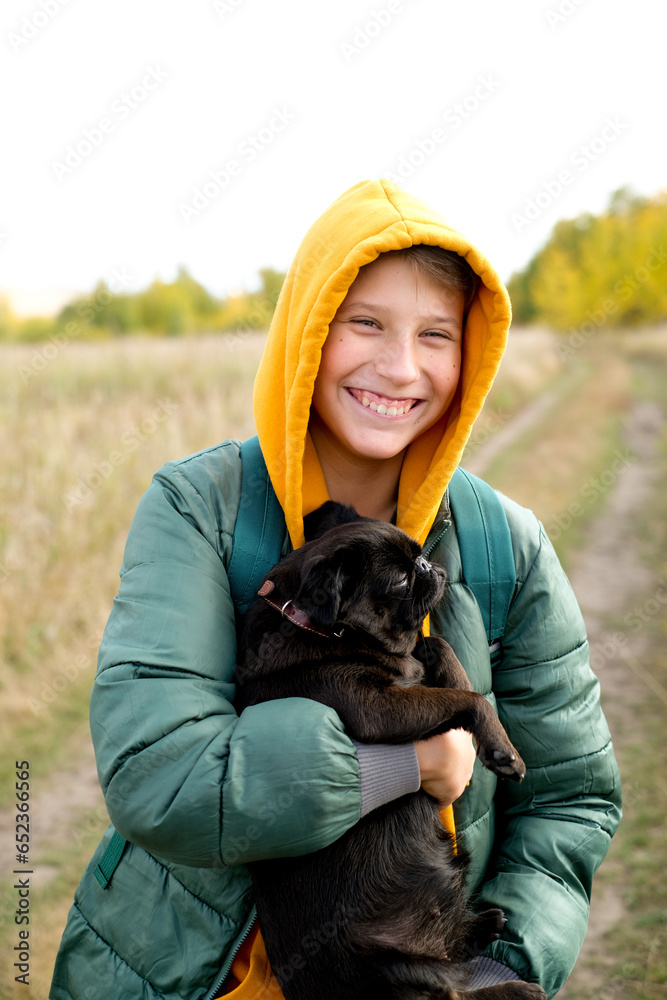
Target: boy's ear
{"x":329,"y":515}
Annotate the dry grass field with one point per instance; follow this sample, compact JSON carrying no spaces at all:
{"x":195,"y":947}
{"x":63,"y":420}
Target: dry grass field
{"x":82,"y":429}
{"x":81,"y":435}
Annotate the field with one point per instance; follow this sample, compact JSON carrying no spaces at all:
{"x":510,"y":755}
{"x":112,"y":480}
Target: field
{"x":579,"y":437}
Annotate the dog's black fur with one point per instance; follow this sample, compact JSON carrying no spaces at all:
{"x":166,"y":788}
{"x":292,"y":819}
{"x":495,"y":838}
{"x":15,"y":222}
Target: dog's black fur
{"x":382,"y":912}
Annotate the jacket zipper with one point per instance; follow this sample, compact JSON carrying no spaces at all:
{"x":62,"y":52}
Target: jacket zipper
{"x":224,"y":972}
{"x":446,"y":524}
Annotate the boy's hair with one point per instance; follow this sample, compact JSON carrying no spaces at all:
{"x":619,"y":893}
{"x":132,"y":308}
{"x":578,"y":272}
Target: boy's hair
{"x":444,"y":266}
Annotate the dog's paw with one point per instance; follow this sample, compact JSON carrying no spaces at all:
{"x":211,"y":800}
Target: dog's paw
{"x":493,"y":922}
{"x":504,"y":761}
{"x":488,"y":926}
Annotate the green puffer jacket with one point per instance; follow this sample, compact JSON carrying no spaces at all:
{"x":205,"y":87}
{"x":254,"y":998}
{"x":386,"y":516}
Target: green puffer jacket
{"x":198,"y":791}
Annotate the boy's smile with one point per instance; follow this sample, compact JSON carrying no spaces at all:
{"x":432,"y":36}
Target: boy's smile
{"x":382,"y":404}
{"x":390,"y":364}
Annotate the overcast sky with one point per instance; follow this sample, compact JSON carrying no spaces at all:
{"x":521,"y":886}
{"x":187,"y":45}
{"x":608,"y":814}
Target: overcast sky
{"x":140,"y":134}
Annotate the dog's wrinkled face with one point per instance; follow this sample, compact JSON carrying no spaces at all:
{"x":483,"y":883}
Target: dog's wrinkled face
{"x":368,"y":574}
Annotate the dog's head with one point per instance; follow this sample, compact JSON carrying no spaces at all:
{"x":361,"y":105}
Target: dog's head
{"x":364,"y":573}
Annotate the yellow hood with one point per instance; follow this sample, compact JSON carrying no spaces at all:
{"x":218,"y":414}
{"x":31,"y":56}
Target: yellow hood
{"x":369,"y":219}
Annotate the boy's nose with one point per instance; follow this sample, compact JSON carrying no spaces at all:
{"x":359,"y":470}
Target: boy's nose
{"x":397,"y":361}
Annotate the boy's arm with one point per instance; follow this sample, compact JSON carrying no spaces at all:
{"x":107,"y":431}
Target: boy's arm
{"x":555,"y":827}
{"x":182,"y":774}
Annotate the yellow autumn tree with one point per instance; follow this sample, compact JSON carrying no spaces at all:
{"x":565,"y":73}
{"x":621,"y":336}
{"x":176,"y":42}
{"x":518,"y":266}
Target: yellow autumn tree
{"x":610,"y":269}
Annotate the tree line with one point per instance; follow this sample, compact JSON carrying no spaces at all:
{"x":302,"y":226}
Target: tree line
{"x":175,"y":308}
{"x":605,"y":270}
{"x":594,"y":271}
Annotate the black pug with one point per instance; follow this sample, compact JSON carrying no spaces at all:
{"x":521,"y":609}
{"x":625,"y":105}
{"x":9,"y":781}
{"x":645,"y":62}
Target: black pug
{"x":382,"y":912}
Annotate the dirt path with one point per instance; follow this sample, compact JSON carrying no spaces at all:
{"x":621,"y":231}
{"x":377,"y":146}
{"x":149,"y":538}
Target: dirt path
{"x":605,"y":591}
{"x":479,"y":460}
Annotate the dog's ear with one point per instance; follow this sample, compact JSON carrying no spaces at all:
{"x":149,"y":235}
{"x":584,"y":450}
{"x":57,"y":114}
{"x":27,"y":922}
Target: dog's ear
{"x":322,"y":582}
{"x":329,"y":515}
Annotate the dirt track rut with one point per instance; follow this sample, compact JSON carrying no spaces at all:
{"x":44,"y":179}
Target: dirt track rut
{"x":607,"y":586}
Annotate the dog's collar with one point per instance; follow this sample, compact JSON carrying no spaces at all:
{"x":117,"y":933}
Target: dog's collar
{"x":295,"y":615}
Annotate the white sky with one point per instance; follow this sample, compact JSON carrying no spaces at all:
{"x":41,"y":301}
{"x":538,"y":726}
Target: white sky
{"x":221,"y":69}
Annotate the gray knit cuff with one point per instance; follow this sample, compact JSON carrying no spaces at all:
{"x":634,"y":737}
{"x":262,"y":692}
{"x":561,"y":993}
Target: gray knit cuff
{"x":386,"y":772}
{"x":487,"y":972}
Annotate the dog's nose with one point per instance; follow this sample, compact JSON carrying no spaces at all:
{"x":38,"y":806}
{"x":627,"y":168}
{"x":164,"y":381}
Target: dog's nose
{"x":422,"y":566}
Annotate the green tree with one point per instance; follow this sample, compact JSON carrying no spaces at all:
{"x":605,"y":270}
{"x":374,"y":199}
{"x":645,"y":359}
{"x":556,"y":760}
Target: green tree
{"x":174,"y":308}
{"x":203,"y":305}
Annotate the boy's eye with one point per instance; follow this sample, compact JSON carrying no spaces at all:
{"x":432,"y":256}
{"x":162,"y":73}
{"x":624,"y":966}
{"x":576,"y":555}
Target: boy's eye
{"x":437,"y":333}
{"x":365,"y":322}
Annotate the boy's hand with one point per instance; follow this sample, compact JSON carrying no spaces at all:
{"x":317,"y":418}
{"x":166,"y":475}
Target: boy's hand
{"x":445,"y":764}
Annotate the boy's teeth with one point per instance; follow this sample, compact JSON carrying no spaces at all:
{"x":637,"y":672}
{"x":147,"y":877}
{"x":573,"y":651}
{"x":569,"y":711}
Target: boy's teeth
{"x":390,"y":410}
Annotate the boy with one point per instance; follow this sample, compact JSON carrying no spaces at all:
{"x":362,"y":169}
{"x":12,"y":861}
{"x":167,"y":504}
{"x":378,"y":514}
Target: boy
{"x":386,"y":338}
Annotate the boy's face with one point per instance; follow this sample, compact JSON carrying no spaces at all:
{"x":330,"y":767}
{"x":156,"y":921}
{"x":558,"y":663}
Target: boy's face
{"x":390,"y":364}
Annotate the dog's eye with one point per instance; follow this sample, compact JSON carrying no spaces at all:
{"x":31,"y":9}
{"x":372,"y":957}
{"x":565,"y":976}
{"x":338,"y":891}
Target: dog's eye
{"x":401,"y":584}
